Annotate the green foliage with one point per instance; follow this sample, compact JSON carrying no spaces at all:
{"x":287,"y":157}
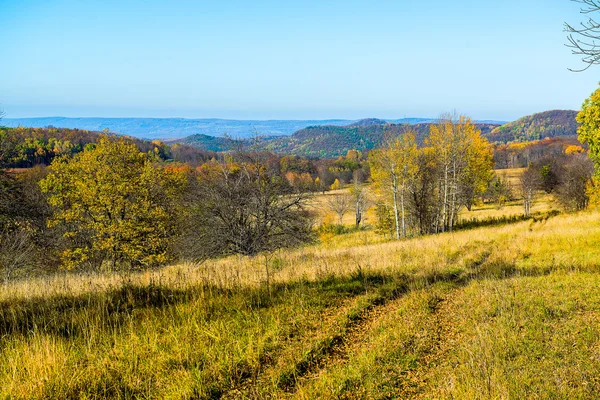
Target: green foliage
{"x":589,"y":130}
{"x":498,"y":191}
{"x":333,"y":229}
{"x":113,"y":204}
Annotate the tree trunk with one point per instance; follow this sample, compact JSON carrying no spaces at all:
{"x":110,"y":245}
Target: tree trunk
{"x":395,"y":192}
{"x":403,"y":214}
{"x":445,"y":202}
{"x":453,"y":197}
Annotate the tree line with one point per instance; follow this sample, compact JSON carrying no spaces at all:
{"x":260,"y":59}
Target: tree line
{"x":115,"y":202}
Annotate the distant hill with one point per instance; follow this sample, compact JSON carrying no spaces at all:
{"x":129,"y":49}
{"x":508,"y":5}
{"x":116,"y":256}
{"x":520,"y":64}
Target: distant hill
{"x":334,"y":141}
{"x":325,"y":141}
{"x":368,"y":122}
{"x":206,"y":142}
{"x":27,"y":147}
{"x":549,"y":124}
{"x":170,"y":128}
{"x":178,"y":128}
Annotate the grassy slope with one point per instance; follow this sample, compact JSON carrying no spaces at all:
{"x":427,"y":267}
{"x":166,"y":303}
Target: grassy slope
{"x":501,"y":312}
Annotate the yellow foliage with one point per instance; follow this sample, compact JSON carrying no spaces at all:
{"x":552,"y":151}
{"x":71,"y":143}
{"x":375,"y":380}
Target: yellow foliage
{"x":336,"y":185}
{"x":114,"y":204}
{"x":574,"y":149}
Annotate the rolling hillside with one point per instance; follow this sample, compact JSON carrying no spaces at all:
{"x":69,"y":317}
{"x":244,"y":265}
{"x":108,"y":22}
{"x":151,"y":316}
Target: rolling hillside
{"x":537,"y":126}
{"x":325,"y":141}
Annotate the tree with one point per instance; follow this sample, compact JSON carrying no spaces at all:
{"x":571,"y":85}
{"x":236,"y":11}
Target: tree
{"x":498,"y":191}
{"x":385,"y":222}
{"x":529,"y":184}
{"x":424,"y":192}
{"x":574,"y":149}
{"x":336,"y":185}
{"x":479,"y":168}
{"x":584,"y":40}
{"x":589,"y":128}
{"x":340,"y":203}
{"x":575,"y":175}
{"x":359,"y":197}
{"x":465,"y":164}
{"x":237,"y":208}
{"x":114,"y":205}
{"x":392,"y":168}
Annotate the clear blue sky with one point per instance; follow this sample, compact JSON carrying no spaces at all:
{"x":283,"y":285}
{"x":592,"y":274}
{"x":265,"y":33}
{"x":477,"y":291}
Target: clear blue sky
{"x":288,"y":59}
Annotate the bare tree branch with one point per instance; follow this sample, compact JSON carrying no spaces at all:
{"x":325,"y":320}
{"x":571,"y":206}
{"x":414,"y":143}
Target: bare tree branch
{"x":584,"y":40}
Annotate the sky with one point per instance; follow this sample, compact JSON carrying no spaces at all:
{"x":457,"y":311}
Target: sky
{"x":288,"y":59}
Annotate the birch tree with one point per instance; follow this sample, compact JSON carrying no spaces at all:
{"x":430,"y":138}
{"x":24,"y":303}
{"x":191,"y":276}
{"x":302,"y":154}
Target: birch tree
{"x":465,"y":165}
{"x":392,"y":168}
{"x":530,"y":183}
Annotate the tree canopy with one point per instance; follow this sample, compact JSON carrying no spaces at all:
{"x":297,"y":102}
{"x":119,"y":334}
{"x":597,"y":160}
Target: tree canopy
{"x":114,"y":204}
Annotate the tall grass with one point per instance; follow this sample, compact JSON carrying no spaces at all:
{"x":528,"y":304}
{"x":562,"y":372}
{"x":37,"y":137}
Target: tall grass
{"x":508,"y":311}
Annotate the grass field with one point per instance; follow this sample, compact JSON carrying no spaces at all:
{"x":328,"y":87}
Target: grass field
{"x":510,"y":311}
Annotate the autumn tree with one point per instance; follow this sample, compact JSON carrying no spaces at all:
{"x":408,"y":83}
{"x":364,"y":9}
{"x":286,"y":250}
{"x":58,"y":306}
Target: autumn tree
{"x":424,"y":190}
{"x":238,"y":208}
{"x":336,"y":185}
{"x":574,"y":178}
{"x":340,"y":203}
{"x":385,"y":222}
{"x":465,"y":165}
{"x":479,"y":171}
{"x":530,"y":182}
{"x":498,"y":191}
{"x":392,"y":168}
{"x":114,"y":205}
{"x":360,"y":198}
{"x":589,"y":133}
{"x":589,"y":128}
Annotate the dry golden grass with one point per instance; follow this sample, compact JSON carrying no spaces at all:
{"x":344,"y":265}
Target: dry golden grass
{"x":543,"y":203}
{"x":509,"y":311}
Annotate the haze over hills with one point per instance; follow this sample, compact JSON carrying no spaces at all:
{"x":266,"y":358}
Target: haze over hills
{"x":172,"y":128}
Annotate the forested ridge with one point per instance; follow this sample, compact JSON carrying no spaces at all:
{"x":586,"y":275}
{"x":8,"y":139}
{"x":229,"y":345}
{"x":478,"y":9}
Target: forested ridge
{"x":331,"y":140}
{"x":547,"y":124}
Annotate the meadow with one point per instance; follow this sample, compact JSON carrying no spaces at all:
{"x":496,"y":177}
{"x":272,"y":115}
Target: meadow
{"x":505,"y":311}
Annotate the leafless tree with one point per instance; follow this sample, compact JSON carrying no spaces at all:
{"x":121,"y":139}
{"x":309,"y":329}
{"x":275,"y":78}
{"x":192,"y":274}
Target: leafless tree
{"x":571,"y":190}
{"x":360,"y":197}
{"x":16,"y":250}
{"x":340,"y":203}
{"x":584,"y":39}
{"x":530,"y":183}
{"x":238,"y":208}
